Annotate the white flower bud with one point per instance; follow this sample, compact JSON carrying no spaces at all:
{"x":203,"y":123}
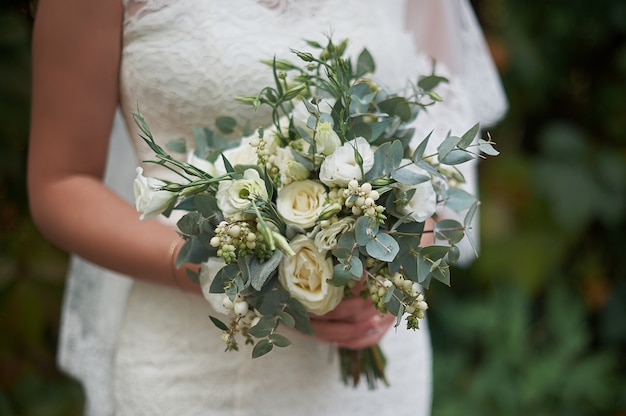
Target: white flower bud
{"x":366,"y":188}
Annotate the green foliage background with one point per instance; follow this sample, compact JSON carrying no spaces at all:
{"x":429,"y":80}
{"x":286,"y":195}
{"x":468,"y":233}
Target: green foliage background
{"x":535,"y":326}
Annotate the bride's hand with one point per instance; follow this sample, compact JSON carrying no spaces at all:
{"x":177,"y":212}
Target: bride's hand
{"x":354,"y":323}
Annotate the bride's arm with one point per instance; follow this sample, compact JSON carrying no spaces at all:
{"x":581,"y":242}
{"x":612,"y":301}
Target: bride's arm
{"x":76,"y":57}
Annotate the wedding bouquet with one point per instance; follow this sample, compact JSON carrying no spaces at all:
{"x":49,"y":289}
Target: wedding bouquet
{"x":287,"y":220}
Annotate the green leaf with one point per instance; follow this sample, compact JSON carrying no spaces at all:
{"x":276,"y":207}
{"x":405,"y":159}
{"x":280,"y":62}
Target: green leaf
{"x":454,"y":254}
{"x":192,"y":251}
{"x":407,"y":176}
{"x":394,"y":306}
{"x":365,"y":64}
{"x":468,"y":136}
{"x":221,"y":325}
{"x":177,"y":145}
{"x":421,"y":148}
{"x":300,"y":314}
{"x":285,"y":318}
{"x":394,"y":156}
{"x":261,"y":348}
{"x":225,"y":124}
{"x":388,"y":294}
{"x":449,"y":230}
{"x":225,"y":274}
{"x":261,"y":272}
{"x":384,"y":247}
{"x":206,"y":204}
{"x":458,"y":200}
{"x":264,"y":327}
{"x":430,"y":82}
{"x":487,"y":148}
{"x":365,"y":229}
{"x":341,"y":275}
{"x":447,"y":146}
{"x":189,"y":224}
{"x":456,"y":157}
{"x":279,"y":340}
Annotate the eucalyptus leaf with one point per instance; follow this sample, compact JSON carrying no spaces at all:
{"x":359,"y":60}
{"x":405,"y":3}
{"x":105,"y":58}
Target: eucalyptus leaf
{"x":365,"y":64}
{"x":430,"y":82}
{"x":300,"y":314}
{"x":285,"y":318}
{"x":394,"y":156}
{"x":261,"y":348}
{"x":468,"y":137}
{"x":456,"y":157}
{"x":458,"y":199}
{"x":407,"y":176}
{"x":224,"y":275}
{"x":449,"y":230}
{"x":487,"y":148}
{"x":264,"y":327}
{"x":192,"y":251}
{"x":279,"y":340}
{"x":226,"y":124}
{"x":447,"y":146}
{"x":365,"y":229}
{"x":206,"y":204}
{"x":384,"y":247}
{"x":421,"y":148}
{"x":189,"y":223}
{"x":177,"y":145}
{"x":341,"y":275}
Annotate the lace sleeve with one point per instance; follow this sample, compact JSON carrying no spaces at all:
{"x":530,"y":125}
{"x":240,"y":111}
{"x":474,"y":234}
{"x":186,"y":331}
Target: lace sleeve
{"x":449,"y":31}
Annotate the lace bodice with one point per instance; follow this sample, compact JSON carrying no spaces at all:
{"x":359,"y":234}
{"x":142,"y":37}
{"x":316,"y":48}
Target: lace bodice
{"x":184,"y":69}
{"x":183,"y":62}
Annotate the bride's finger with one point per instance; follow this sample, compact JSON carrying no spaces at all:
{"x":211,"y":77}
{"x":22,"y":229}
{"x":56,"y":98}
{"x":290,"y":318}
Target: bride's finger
{"x":352,"y":309}
{"x":353,"y":335}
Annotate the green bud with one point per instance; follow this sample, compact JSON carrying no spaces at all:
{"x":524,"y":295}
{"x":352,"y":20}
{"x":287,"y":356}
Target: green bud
{"x":330,"y":211}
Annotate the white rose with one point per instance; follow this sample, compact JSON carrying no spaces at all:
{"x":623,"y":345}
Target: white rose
{"x":236,"y":195}
{"x":201,"y":164}
{"x":326,"y":139}
{"x":208,"y":271}
{"x":150,"y":200}
{"x":341,"y":166}
{"x":304,"y":275}
{"x":300,"y":203}
{"x":424,"y":201}
{"x":327,"y":238}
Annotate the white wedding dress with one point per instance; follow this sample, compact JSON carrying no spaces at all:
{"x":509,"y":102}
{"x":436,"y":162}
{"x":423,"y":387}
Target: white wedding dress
{"x":143,"y":349}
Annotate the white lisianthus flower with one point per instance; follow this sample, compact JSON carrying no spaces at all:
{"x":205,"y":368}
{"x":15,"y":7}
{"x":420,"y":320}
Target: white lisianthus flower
{"x":326,"y":139}
{"x":290,"y":169}
{"x":328,"y":237}
{"x":300,"y":203}
{"x":201,"y":164}
{"x":236,"y":195}
{"x":208,"y":271}
{"x":341,"y":166}
{"x":424,"y":201}
{"x":245,"y":153}
{"x":150,"y":200}
{"x":304,"y":275}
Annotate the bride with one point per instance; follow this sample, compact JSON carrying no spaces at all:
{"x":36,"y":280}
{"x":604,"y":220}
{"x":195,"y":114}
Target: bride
{"x":134,"y":329}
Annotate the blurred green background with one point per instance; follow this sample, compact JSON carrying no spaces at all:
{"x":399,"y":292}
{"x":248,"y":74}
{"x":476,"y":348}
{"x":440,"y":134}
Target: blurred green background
{"x":536,"y":326}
